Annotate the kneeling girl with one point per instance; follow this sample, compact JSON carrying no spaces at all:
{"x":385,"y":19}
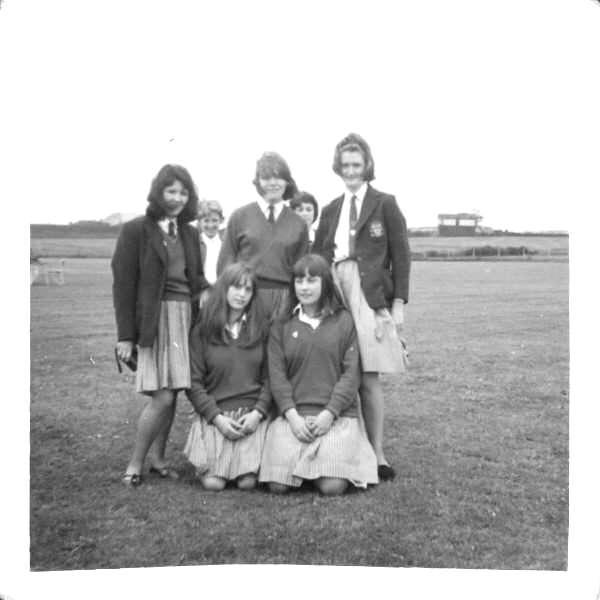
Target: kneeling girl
{"x":314,"y":377}
{"x":229,"y":390}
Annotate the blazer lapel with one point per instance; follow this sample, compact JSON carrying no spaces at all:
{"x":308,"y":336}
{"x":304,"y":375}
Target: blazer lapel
{"x":335,"y":216}
{"x":156,"y":239}
{"x":187,"y":239}
{"x":368,"y":206}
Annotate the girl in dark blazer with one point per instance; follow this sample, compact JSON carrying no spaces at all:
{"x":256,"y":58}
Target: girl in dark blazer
{"x":363,"y":234}
{"x":157,"y":278}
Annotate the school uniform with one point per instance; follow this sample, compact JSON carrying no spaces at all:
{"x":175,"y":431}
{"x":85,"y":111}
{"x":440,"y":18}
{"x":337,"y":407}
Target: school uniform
{"x":209,"y":253}
{"x":156,"y":277}
{"x":227,"y":379}
{"x":271,"y":248}
{"x":313,"y":366}
{"x":371,"y":266}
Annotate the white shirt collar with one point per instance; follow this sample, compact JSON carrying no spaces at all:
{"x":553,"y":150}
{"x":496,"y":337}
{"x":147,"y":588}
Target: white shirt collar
{"x":314,"y":322}
{"x":264,"y":207}
{"x":360,"y":193}
{"x":234,"y":330}
{"x":164,"y":224}
{"x":213,"y":241}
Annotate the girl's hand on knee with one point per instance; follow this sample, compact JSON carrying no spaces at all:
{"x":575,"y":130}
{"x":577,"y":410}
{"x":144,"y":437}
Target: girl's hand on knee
{"x":228,"y":427}
{"x":249,"y":422}
{"x":322,"y":423}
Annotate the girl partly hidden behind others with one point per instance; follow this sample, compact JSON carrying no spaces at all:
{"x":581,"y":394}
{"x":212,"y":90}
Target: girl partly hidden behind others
{"x":314,"y":376}
{"x":229,"y":390}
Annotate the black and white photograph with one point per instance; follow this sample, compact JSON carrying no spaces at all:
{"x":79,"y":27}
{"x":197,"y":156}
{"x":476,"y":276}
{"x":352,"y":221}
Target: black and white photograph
{"x":311,"y":304}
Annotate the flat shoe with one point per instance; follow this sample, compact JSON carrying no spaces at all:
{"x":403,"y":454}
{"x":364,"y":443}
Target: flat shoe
{"x":132,"y":479}
{"x":164,"y":472}
{"x":385,"y":472}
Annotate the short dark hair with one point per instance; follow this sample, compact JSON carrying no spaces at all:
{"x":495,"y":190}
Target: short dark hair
{"x":271,"y":164}
{"x":316,"y":266}
{"x":305,"y":198}
{"x":215,"y":312}
{"x":354,"y":143}
{"x":167,"y":176}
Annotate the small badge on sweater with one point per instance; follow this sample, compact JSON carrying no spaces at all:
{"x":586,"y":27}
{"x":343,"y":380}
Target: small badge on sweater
{"x":294,"y":334}
{"x":376,"y":229}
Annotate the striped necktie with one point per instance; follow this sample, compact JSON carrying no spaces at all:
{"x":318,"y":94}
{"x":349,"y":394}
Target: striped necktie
{"x":271,"y":217}
{"x":172,"y":230}
{"x":353,"y":220}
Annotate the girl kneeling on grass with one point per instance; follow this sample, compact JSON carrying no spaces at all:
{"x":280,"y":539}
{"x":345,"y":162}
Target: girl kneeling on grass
{"x":230,"y":390}
{"x":314,"y":376}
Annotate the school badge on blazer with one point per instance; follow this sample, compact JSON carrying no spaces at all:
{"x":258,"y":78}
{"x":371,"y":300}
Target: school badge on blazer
{"x":376,"y":229}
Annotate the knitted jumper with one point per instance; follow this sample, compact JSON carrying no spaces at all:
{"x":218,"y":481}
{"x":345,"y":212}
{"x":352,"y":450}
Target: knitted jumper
{"x":315,"y":369}
{"x":270,"y":248}
{"x":227,"y":377}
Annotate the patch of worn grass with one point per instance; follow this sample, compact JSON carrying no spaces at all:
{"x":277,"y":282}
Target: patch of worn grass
{"x":478,"y":431}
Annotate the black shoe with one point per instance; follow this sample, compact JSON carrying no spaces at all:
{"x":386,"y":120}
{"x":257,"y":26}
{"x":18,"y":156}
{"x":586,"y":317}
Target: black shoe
{"x":132,"y":479}
{"x":385,"y":472}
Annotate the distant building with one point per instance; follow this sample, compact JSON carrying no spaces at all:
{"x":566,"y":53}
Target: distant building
{"x":459,"y":224}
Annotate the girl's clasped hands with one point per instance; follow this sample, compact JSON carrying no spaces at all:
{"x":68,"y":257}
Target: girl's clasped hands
{"x":238,"y":425}
{"x":308,"y":428}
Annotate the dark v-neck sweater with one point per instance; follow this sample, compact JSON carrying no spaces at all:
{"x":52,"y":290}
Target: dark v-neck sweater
{"x":315,"y":369}
{"x":270,"y":248}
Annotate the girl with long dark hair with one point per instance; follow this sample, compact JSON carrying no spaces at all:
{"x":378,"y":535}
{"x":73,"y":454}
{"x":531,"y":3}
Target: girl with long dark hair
{"x":230,"y":390}
{"x":157,"y":279}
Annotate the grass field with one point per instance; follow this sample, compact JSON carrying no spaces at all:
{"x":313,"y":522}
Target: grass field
{"x":478,"y":432}
{"x":104,"y":247}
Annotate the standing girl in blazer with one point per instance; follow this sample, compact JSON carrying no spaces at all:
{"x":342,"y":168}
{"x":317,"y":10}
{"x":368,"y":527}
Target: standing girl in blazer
{"x":267,"y":234}
{"x":157,"y":276}
{"x":230,"y":390}
{"x":314,"y":376}
{"x":363,"y":234}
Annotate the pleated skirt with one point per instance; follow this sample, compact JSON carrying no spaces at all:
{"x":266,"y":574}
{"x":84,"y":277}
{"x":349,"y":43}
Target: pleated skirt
{"x":166,"y":365}
{"x":386,"y":355}
{"x":213,"y":454}
{"x":343,"y":452}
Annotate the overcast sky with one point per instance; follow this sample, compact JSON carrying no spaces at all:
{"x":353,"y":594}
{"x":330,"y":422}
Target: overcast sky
{"x":487,"y":106}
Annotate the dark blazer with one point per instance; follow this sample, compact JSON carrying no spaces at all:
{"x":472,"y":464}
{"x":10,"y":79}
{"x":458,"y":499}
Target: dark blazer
{"x":382,"y":251}
{"x":139,"y":266}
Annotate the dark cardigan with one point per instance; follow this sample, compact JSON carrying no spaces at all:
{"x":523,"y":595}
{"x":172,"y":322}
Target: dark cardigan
{"x":382,"y":250}
{"x":139,"y":266}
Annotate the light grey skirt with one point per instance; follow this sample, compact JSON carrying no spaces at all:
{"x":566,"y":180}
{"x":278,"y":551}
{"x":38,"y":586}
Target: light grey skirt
{"x":386,"y":355}
{"x":166,"y":365}
{"x":213,"y":454}
{"x":343,"y":452}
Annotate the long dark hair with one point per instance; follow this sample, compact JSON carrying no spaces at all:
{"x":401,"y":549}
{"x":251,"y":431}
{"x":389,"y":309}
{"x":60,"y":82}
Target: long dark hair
{"x":167,"y":176}
{"x":354,"y":143}
{"x":215,"y":312}
{"x":316,"y":266}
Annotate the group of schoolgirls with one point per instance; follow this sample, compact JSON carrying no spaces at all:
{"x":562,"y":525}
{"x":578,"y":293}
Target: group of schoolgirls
{"x":273,"y":364}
